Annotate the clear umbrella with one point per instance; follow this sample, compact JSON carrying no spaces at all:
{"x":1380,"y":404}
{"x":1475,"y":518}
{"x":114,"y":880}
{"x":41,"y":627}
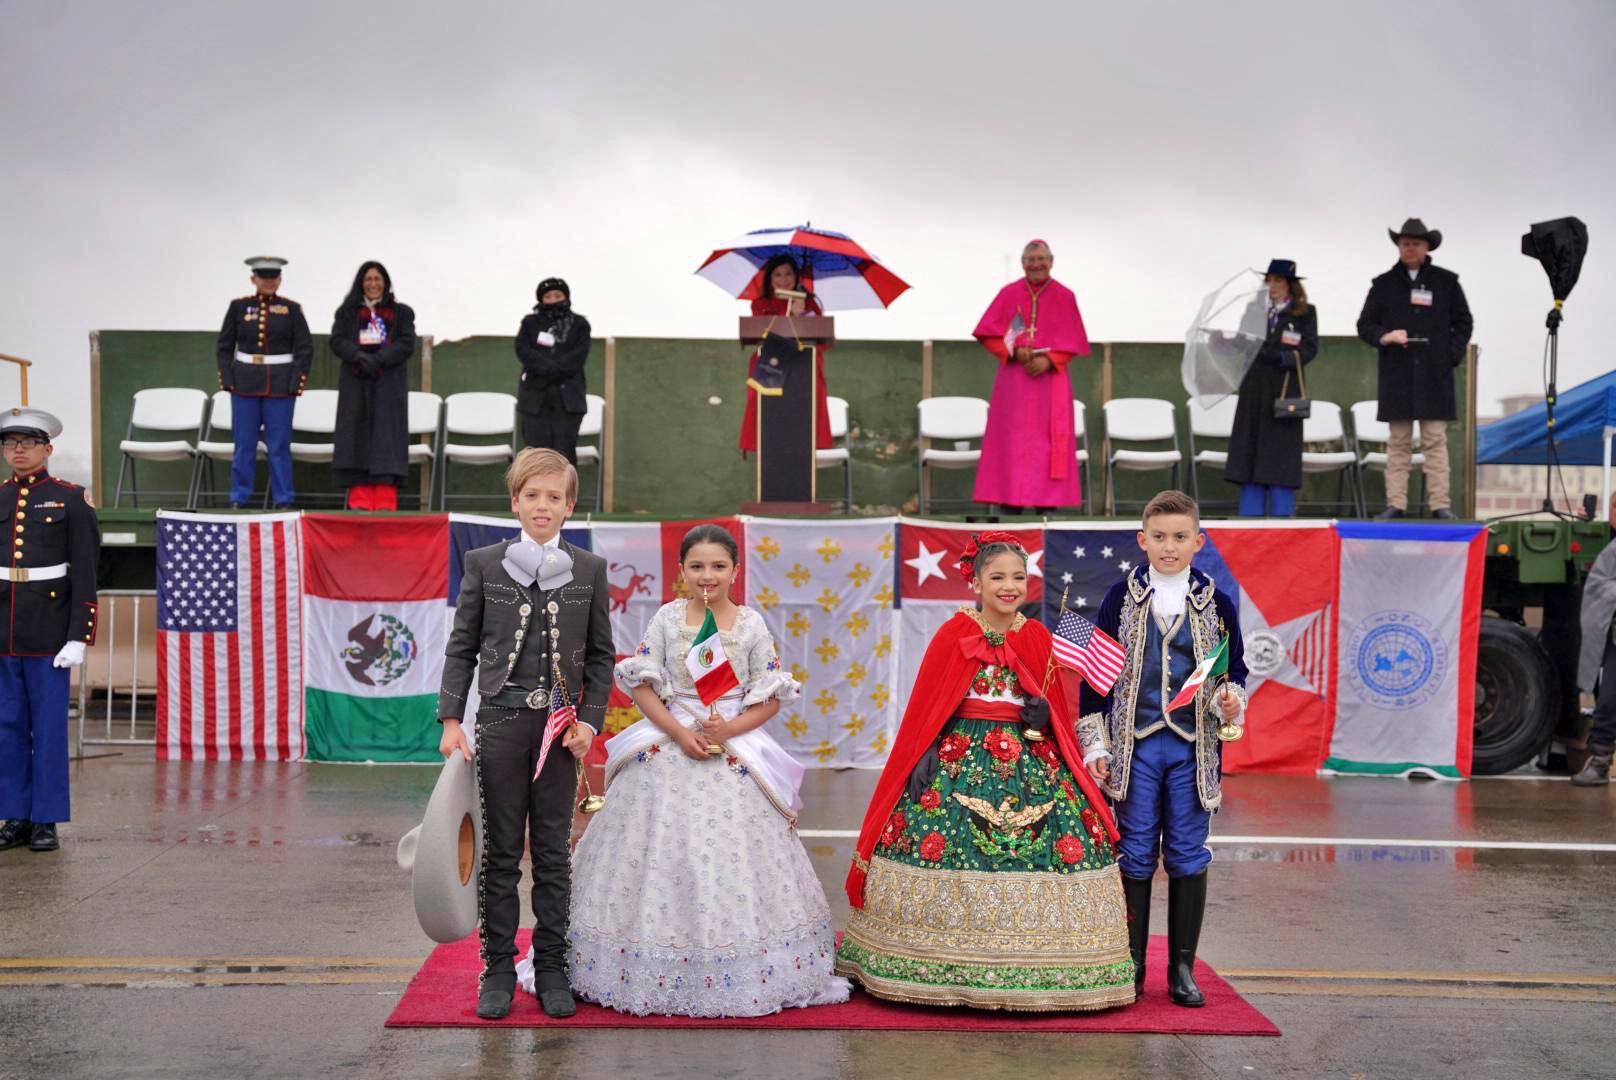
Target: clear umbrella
{"x":1224,"y":339}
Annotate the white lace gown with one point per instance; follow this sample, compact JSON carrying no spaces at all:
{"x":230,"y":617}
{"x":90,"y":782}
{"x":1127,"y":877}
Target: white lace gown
{"x":692,"y":894}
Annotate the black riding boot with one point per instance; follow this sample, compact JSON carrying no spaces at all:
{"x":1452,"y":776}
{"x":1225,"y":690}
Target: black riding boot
{"x":1186,"y":904}
{"x":1137,"y":892}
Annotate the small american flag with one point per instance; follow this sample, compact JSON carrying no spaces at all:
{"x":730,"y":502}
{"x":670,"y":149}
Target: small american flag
{"x":562,"y":717}
{"x":1088,"y":650}
{"x":229,"y":654}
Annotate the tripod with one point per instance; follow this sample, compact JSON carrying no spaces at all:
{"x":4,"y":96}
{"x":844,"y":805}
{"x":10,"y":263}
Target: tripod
{"x":1550,"y":393}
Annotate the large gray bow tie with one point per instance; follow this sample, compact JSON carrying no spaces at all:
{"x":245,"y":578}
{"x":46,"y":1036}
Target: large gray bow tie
{"x":528,"y":562}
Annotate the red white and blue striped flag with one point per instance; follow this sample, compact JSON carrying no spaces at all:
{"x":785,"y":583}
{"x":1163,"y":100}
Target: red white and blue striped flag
{"x":1088,"y":650}
{"x":229,"y":637}
{"x":562,"y":717}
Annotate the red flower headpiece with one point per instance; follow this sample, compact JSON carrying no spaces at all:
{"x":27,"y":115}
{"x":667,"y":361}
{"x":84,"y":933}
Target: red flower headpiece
{"x":967,"y":562}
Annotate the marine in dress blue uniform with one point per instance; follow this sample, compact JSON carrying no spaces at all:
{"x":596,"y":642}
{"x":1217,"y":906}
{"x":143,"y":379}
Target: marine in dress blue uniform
{"x":47,"y":620}
{"x":264,"y":354}
{"x":1165,"y":768}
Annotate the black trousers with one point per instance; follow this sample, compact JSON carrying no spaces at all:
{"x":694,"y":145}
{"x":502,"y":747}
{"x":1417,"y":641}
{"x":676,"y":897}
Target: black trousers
{"x":516,"y":807}
{"x":1602,"y":736}
{"x":553,"y":429}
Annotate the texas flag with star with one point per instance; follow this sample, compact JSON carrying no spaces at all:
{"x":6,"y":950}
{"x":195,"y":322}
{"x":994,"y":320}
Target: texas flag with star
{"x":930,"y":588}
{"x":1282,"y":578}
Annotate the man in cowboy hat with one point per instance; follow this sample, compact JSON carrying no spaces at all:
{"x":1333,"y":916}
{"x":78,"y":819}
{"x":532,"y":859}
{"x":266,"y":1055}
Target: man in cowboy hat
{"x":47,"y":619}
{"x":1416,"y":314}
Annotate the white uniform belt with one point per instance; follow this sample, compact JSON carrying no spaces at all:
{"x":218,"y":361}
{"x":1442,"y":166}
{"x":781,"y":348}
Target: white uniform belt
{"x":263,"y":358}
{"x":33,"y":573}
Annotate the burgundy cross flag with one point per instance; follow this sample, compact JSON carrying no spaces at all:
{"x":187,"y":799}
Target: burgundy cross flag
{"x":1088,"y":650}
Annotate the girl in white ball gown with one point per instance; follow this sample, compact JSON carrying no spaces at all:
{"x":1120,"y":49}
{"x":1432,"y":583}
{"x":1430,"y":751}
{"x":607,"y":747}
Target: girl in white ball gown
{"x":691,"y":893}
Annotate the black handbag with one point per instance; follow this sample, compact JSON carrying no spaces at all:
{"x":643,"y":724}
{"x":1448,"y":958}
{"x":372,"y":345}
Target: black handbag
{"x":1293,"y":408}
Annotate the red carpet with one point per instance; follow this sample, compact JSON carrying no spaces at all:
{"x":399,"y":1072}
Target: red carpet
{"x":444,"y":994}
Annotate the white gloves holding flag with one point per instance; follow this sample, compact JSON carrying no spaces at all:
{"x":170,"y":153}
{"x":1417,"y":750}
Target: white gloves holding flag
{"x":72,"y":655}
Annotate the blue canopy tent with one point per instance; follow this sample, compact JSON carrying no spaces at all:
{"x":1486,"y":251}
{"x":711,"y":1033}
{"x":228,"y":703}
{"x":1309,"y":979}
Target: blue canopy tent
{"x":1584,"y":422}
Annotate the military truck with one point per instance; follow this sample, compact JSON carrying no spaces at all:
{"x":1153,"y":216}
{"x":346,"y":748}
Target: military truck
{"x":1526,"y":682}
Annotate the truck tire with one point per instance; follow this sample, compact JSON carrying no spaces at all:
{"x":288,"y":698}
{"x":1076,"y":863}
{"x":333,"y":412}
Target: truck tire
{"x":1517,"y":698}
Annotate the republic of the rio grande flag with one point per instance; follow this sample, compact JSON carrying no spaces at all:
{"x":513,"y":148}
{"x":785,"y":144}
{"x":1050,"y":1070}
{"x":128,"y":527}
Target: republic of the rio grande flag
{"x":707,"y":664}
{"x":373,"y":612}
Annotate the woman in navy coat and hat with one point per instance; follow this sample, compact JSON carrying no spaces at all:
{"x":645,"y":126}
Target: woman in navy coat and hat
{"x":1265,"y":454}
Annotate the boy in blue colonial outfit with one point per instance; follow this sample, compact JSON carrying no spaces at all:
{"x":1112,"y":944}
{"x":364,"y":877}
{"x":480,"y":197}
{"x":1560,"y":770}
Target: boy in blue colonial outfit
{"x":1161,"y":766}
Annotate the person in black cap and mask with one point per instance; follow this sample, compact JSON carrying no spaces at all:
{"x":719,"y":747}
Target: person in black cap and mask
{"x":1265,"y":453}
{"x":264,"y":355}
{"x":1417,"y":316}
{"x":47,"y":620}
{"x":552,"y":345}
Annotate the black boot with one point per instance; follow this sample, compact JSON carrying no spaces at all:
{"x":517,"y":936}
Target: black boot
{"x":1186,"y":904}
{"x":1595,"y":771}
{"x":44,"y":838}
{"x":16,"y":834}
{"x":1137,"y":892}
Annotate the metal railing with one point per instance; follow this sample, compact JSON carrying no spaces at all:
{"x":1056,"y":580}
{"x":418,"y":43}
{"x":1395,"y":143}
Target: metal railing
{"x":117,"y":608}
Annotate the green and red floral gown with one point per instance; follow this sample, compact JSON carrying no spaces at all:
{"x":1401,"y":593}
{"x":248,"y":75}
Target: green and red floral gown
{"x":998,"y":887}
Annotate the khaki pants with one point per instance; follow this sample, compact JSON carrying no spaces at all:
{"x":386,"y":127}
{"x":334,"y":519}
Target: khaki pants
{"x":1400,"y":457}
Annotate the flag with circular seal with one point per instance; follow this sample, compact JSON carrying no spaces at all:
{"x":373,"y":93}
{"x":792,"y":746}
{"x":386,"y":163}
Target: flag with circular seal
{"x":374,"y":633}
{"x":707,"y":664}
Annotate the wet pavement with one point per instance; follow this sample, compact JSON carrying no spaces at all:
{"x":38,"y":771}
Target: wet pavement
{"x":206,"y":919}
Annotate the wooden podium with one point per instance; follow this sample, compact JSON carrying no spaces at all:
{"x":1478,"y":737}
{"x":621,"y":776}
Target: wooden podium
{"x":788,"y":410}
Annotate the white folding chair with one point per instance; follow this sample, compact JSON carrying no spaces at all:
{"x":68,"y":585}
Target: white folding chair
{"x":1080,"y":435}
{"x":839,"y":454}
{"x":477,"y":413}
{"x":1366,"y":428}
{"x":1139,"y":420}
{"x":1324,"y":428}
{"x":163,"y":408}
{"x":424,"y":416}
{"x":214,"y":448}
{"x":1209,"y":422}
{"x":593,"y":426}
{"x":315,"y":413}
{"x":960,"y":420}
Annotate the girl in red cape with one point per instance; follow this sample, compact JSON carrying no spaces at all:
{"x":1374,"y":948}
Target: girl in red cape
{"x":984,"y":873}
{"x":781,"y":272}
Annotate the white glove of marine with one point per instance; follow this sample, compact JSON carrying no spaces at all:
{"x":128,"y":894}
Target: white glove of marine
{"x":546,"y":339}
{"x":72,"y":655}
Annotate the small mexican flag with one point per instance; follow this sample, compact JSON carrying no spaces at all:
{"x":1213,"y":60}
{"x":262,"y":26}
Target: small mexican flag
{"x":708,"y":665}
{"x":1216,"y":664}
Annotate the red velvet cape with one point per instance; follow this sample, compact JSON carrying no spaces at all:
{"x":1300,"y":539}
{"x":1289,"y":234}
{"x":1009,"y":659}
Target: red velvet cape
{"x":946,"y":671}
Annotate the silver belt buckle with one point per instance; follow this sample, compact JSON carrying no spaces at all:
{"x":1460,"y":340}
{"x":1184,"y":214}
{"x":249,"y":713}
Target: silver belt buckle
{"x":538,"y":699}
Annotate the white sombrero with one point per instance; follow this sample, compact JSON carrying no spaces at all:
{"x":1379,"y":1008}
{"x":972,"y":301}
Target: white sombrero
{"x":445,"y":853}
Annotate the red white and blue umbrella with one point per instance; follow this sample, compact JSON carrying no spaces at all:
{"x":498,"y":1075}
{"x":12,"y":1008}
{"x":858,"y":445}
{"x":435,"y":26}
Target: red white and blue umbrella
{"x":841,"y":274}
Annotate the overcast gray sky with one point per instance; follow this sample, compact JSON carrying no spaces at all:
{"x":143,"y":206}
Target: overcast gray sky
{"x":478,"y":147}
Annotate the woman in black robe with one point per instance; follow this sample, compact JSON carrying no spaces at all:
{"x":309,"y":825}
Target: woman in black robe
{"x":374,"y":336}
{"x":1265,"y":454}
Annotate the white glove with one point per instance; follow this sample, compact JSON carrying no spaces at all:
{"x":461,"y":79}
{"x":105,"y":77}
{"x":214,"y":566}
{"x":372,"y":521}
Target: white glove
{"x":546,"y":339}
{"x":72,"y":655}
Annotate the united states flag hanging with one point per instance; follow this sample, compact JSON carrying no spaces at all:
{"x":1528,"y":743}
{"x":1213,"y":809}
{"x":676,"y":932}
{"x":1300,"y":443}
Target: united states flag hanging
{"x":229,"y":664}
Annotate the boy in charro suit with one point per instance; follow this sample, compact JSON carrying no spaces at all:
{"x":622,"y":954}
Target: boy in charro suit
{"x":532,"y":614}
{"x":1162,"y":767}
